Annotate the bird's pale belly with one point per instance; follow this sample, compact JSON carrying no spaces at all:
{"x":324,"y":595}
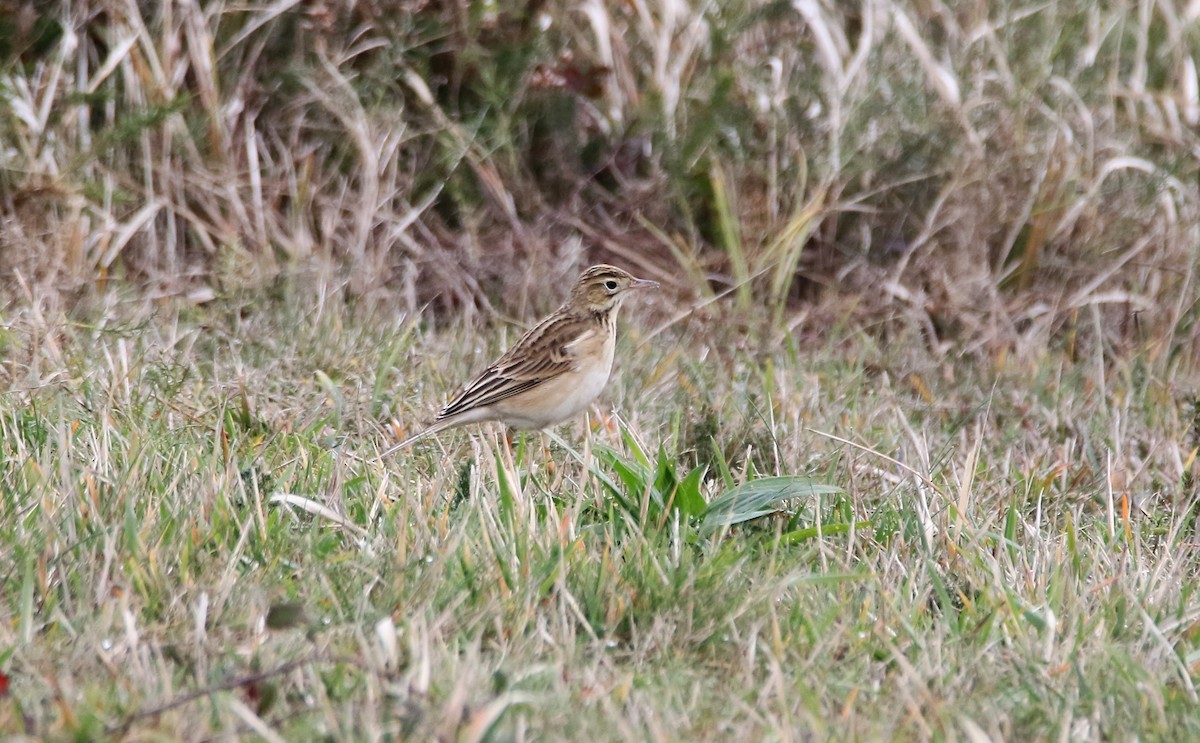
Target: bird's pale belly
{"x":557,"y":399}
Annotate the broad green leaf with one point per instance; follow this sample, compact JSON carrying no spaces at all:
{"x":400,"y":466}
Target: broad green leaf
{"x":665,"y":479}
{"x":756,"y":499}
{"x":688,"y":497}
{"x":722,"y":466}
{"x":632,"y":474}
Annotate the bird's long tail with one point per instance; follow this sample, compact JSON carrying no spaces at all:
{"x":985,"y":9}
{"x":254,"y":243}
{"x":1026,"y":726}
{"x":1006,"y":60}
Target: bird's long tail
{"x":430,"y":430}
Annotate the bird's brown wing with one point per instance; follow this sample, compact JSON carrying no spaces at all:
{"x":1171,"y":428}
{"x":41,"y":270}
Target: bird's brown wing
{"x":547,"y":351}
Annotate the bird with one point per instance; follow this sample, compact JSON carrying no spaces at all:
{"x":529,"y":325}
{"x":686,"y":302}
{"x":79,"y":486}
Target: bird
{"x":553,"y":371}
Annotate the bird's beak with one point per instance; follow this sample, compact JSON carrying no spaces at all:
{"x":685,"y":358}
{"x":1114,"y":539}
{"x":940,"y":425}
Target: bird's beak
{"x":643,"y":284}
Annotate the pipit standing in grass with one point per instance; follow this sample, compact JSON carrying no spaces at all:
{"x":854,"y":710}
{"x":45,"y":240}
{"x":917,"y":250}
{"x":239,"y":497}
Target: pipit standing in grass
{"x":555,"y":370}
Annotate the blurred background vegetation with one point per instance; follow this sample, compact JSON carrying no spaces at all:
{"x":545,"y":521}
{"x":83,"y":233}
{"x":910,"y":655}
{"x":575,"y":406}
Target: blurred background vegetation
{"x":939,"y":255}
{"x":996,"y":176}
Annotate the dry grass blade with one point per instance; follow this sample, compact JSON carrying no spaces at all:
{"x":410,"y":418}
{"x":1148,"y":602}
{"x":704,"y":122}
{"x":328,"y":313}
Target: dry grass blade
{"x":832,"y":46}
{"x":892,"y":460}
{"x":785,"y":249}
{"x":1190,"y":93}
{"x":308,"y":505}
{"x":253,"y":721}
{"x":941,"y":79}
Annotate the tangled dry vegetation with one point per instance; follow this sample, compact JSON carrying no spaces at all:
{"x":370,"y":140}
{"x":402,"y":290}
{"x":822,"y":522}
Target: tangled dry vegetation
{"x":996,"y":175}
{"x":939,"y":256}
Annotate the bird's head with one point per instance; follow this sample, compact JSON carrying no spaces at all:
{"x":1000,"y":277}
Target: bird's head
{"x":601,"y":288}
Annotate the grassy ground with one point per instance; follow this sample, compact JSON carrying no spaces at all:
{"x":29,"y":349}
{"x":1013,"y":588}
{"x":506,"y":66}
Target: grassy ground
{"x":929,"y":302}
{"x":1027,"y":570}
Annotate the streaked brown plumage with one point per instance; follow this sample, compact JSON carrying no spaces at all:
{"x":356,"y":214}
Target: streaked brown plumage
{"x":555,"y":370}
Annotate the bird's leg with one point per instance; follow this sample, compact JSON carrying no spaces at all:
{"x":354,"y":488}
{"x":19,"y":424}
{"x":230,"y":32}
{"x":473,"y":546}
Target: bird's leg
{"x":514,"y":455}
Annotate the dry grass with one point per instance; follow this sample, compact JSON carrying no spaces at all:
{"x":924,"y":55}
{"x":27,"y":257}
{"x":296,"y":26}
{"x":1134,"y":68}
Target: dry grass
{"x":1018,"y":560}
{"x":941,"y":257}
{"x":995,"y":170}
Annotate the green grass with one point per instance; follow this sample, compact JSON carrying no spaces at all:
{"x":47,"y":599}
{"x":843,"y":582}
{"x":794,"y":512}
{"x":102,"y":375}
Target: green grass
{"x":906,"y":448}
{"x":568,"y":590}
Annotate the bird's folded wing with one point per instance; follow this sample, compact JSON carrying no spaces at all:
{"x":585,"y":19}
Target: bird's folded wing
{"x":545,"y":352}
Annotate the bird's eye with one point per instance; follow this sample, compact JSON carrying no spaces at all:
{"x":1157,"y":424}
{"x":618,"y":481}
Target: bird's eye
{"x":611,"y":285}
